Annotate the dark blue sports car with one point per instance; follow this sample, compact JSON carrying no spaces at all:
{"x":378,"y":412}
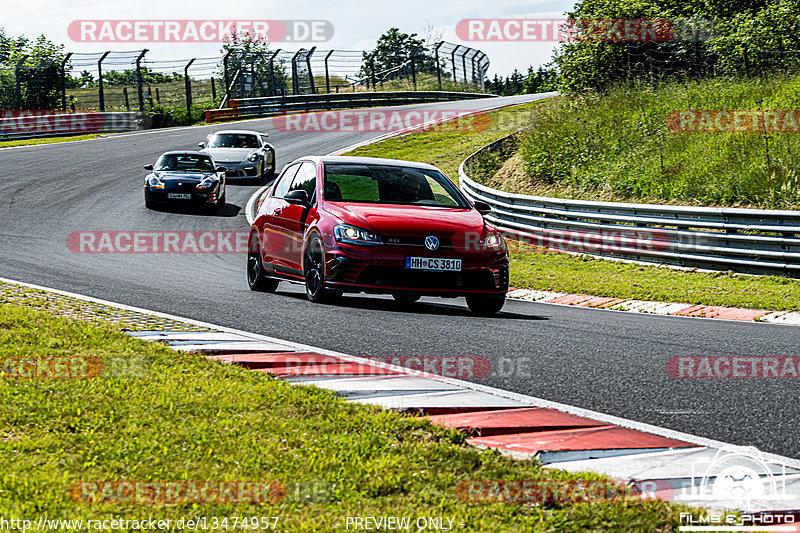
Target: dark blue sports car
{"x":185,"y":178}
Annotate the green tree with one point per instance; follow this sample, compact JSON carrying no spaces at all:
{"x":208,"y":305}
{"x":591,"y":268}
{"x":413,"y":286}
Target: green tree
{"x":40,"y":73}
{"x":248,"y":57}
{"x":393,"y":50}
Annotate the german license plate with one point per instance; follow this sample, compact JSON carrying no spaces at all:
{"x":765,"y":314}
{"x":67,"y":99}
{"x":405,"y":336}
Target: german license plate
{"x":433,"y":263}
{"x":179,"y":196}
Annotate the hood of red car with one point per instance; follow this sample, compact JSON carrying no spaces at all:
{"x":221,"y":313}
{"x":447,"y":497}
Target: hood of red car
{"x":408,"y":219}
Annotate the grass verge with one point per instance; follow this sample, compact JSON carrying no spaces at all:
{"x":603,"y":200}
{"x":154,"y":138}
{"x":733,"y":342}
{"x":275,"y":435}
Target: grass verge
{"x":569,"y":273}
{"x":47,"y":140}
{"x":187,"y":418}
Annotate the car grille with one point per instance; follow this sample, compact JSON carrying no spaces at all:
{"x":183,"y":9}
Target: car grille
{"x":467,"y":280}
{"x":242,"y":173}
{"x":404,"y":240}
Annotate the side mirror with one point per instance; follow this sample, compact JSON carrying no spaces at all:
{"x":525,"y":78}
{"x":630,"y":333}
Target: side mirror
{"x":265,"y":134}
{"x":148,"y":167}
{"x":482,"y":207}
{"x":297,"y":197}
{"x":201,"y":145}
{"x":222,"y":169}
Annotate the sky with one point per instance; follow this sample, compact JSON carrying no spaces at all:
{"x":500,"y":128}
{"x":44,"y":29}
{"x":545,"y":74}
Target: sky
{"x":356,"y":24}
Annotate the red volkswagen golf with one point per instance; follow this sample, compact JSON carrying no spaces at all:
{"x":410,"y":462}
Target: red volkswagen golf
{"x":361,"y":224}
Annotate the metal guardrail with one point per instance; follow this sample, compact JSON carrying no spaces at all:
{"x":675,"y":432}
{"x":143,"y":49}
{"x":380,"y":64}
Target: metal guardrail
{"x":275,"y":105}
{"x":35,"y":123}
{"x":744,"y":240}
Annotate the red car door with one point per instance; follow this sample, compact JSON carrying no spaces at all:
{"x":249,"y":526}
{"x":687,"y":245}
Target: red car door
{"x":290,"y":221}
{"x":271,"y":239}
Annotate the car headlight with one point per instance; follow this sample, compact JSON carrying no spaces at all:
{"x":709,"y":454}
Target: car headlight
{"x":355,"y":235}
{"x":252,"y":157}
{"x":154,"y":183}
{"x":494,"y":241}
{"x":207,"y":183}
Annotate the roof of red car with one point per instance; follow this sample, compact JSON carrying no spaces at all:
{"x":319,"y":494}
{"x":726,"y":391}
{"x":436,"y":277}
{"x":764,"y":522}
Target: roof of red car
{"x":370,"y":161}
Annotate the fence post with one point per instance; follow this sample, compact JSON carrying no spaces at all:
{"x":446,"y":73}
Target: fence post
{"x":139,"y":88}
{"x":226,"y":75}
{"x":19,"y":83}
{"x":64,"y":82}
{"x":188,"y":83}
{"x":213,"y":91}
{"x":453,"y":59}
{"x":295,"y":83}
{"x":327,"y":76}
{"x":464,"y":66}
{"x":472,"y":63}
{"x":127,"y":102}
{"x":438,"y":68}
{"x":272,"y":72}
{"x":480,"y":71}
{"x":101,"y":93}
{"x":372,"y":75}
{"x":311,"y":74}
{"x":413,"y":71}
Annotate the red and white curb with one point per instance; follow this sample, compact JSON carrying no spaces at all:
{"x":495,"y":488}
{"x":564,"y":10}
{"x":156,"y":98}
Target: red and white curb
{"x":657,"y":308}
{"x":662,"y":463}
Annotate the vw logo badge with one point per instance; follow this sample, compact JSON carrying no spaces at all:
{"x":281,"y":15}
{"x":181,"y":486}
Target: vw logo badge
{"x":431,"y":242}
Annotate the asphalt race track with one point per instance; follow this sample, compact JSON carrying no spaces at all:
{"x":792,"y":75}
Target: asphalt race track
{"x":601,"y":360}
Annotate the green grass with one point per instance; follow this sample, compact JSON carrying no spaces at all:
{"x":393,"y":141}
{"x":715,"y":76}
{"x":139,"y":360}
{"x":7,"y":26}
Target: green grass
{"x":188,"y":418}
{"x":560,"y":272}
{"x":47,"y":140}
{"x":617,"y":146}
{"x":446,"y":147}
{"x":568,"y":273}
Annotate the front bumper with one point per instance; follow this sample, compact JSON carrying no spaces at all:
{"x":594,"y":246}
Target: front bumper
{"x":159,"y":196}
{"x":381,"y":269}
{"x":241,"y":170}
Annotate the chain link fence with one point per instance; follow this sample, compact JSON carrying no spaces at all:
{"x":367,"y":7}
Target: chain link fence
{"x":114,"y":81}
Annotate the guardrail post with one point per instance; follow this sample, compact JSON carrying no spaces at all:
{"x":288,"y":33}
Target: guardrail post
{"x":188,"y":83}
{"x":327,"y":76}
{"x":101,"y":93}
{"x":64,"y":82}
{"x":453,"y":59}
{"x":19,"y":82}
{"x":311,"y":74}
{"x":139,"y":88}
{"x":438,"y":67}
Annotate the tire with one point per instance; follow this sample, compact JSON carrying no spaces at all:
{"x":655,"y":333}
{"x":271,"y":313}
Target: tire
{"x":314,"y":272}
{"x":485,"y":305}
{"x":256,"y":279}
{"x":149,"y":205}
{"x":405,"y":298}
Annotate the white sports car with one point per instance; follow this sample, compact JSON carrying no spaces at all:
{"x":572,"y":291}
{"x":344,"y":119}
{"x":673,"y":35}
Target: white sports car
{"x":245,"y":154}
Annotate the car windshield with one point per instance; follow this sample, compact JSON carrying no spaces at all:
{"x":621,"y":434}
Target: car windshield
{"x":233,"y":140}
{"x":184,"y":163}
{"x":389,"y":184}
